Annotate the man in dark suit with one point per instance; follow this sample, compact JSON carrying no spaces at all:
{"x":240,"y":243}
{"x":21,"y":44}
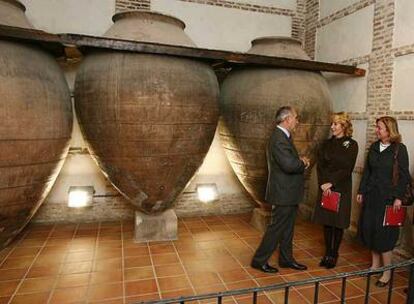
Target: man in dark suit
{"x":284,"y":191}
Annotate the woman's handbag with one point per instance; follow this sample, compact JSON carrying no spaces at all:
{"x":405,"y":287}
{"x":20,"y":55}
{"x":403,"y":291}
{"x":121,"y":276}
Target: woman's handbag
{"x":408,"y":197}
{"x":331,"y":202}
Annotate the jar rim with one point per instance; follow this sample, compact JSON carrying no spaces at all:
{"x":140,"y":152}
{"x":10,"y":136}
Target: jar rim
{"x":275,"y":38}
{"x":16,"y":3}
{"x":160,"y":16}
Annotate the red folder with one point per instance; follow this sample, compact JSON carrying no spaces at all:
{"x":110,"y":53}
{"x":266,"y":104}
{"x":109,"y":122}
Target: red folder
{"x":331,"y":201}
{"x":394,"y":218}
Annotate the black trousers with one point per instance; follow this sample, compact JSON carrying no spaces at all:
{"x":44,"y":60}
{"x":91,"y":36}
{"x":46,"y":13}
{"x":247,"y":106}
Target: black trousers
{"x":278,"y":233}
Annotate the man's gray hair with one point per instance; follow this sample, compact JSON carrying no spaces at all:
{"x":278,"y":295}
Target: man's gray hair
{"x":283,"y":113}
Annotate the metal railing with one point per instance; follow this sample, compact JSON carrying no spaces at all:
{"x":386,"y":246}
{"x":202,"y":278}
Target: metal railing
{"x":220,"y":296}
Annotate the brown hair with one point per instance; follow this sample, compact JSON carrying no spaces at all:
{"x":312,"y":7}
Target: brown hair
{"x":392,"y":127}
{"x":343,"y":119}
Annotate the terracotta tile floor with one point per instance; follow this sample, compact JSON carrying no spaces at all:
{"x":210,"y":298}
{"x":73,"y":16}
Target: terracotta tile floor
{"x":100,"y":263}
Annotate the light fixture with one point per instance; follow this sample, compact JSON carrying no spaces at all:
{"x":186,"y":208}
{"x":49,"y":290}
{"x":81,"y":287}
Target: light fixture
{"x":80,"y":196}
{"x":207,"y":192}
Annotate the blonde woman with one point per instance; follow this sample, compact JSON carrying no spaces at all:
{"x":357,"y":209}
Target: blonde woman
{"x":376,"y":191}
{"x":336,"y":161}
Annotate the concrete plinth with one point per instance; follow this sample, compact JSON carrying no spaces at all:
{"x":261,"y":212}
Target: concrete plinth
{"x":260,"y":219}
{"x":160,"y":227}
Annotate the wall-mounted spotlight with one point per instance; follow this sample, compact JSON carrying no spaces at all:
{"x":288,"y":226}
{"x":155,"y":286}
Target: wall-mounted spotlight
{"x":80,"y":196}
{"x":207,"y":192}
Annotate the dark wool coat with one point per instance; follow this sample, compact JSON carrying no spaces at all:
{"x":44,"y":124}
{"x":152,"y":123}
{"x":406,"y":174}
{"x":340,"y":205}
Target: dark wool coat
{"x":378,"y":191}
{"x":285,"y":183}
{"x":335,"y":163}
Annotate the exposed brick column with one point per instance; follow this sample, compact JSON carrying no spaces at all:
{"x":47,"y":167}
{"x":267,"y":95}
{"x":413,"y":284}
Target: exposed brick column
{"x":298,"y":21}
{"x":125,"y":5}
{"x":380,"y":65}
{"x":311,"y":23}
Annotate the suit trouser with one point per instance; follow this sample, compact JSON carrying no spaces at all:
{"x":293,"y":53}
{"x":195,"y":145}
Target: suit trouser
{"x":278,"y":232}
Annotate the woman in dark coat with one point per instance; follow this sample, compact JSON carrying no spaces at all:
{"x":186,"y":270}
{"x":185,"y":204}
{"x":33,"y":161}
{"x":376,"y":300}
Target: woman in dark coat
{"x":336,"y":161}
{"x":376,"y":191}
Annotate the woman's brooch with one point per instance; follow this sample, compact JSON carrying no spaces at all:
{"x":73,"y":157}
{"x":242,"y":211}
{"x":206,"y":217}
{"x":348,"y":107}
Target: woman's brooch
{"x":346,"y":144}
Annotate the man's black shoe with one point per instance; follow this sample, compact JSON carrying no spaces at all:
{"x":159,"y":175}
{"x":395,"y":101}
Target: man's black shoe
{"x":294,"y":265}
{"x":265,"y":267}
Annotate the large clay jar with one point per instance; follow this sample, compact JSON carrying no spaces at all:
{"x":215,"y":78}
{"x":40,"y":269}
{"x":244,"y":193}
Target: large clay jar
{"x":149,"y":119}
{"x":249,"y":100}
{"x":12,"y":14}
{"x":36,"y":125}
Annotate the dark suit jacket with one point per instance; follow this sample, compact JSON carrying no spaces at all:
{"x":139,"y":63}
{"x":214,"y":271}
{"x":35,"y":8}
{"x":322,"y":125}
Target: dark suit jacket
{"x":285,"y":184}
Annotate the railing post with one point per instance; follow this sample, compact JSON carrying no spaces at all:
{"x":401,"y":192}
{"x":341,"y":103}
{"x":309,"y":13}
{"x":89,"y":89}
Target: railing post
{"x":410,"y":291}
{"x":316,"y":295}
{"x":287,"y":295}
{"x":343,"y":290}
{"x":390,"y":287}
{"x":367,"y":289}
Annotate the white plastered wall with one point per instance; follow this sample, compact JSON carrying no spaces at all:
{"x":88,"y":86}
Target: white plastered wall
{"x":349,"y":93}
{"x":91,"y":17}
{"x":404,"y":23}
{"x":222,"y":28}
{"x":406,"y":128}
{"x":329,"y":7}
{"x":347,"y":37}
{"x":402,"y":88}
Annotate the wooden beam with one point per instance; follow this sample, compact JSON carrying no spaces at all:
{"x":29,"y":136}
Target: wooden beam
{"x":69,"y":45}
{"x":52,"y":43}
{"x":222,"y":58}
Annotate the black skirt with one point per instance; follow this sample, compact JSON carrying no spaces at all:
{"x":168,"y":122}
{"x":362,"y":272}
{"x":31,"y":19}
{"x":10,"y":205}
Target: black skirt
{"x":371,"y":231}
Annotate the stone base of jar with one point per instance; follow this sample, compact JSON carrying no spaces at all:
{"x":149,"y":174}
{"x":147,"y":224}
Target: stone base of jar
{"x":260,"y":218}
{"x":154,"y":228}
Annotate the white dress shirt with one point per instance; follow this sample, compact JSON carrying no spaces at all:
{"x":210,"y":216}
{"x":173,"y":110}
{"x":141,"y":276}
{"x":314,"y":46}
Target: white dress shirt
{"x":284,"y":131}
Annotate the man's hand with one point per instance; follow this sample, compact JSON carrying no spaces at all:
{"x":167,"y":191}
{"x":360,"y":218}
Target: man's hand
{"x":306,"y":161}
{"x":360,"y":198}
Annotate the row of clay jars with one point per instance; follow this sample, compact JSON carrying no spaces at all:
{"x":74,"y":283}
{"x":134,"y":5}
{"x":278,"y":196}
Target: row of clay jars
{"x":149,"y":119}
{"x":36,"y":125}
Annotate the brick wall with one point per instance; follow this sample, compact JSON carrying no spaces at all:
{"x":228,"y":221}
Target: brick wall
{"x":124,"y":5}
{"x":112,"y":206}
{"x":298,"y":21}
{"x":311,"y":22}
{"x":380,"y":65}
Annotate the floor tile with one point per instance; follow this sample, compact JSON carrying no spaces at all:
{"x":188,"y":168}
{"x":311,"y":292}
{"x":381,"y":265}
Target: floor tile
{"x":108,"y":276}
{"x":140,"y":287}
{"x":33,"y":298}
{"x":68,"y":295}
{"x":169,"y":270}
{"x":173,"y":283}
{"x":36,"y":285}
{"x":138,"y":273}
{"x":105,"y":291}
{"x":233,"y":275}
{"x":72,"y":280}
{"x":7,"y":288}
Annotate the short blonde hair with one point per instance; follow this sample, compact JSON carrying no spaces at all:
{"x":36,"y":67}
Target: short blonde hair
{"x":345,"y":121}
{"x":392,"y":127}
